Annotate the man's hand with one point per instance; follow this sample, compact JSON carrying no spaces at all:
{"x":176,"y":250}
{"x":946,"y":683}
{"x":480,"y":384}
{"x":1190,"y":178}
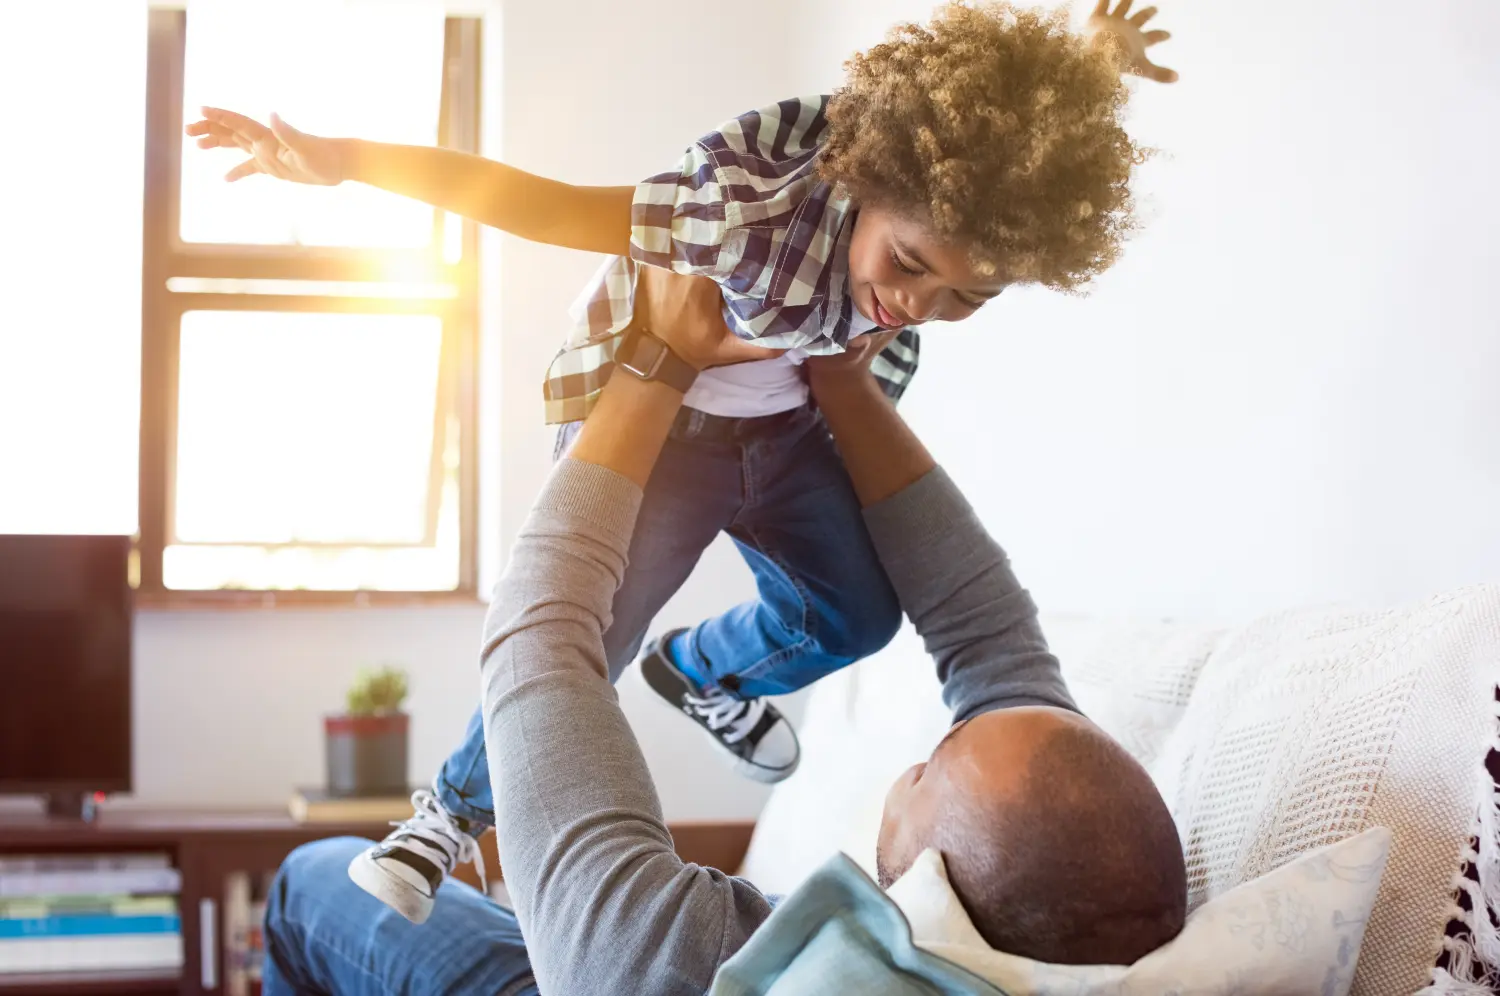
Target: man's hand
{"x":852,"y":364}
{"x":627,"y":428}
{"x":1131,"y":37}
{"x":687,"y":313}
{"x":280,"y":150}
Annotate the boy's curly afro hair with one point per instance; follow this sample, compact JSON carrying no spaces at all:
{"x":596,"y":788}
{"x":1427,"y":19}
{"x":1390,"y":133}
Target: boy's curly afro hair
{"x":1000,"y":128}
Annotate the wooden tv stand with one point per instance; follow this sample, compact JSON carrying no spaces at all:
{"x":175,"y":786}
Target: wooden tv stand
{"x":208,"y":847}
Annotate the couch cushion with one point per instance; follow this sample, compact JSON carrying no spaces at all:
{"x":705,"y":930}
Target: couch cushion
{"x":1133,"y":678}
{"x":1310,"y":726}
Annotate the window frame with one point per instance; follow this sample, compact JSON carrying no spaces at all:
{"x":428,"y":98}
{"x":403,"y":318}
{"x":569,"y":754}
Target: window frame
{"x":165,"y":257}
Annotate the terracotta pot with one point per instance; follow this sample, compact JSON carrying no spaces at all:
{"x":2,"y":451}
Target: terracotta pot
{"x":366,"y":755}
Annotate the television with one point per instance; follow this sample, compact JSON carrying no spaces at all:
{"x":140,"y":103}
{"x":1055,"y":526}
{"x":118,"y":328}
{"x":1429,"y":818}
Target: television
{"x":65,"y":655}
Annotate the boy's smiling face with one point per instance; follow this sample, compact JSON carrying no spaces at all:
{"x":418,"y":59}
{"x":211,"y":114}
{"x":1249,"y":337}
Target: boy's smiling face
{"x":901,"y":274}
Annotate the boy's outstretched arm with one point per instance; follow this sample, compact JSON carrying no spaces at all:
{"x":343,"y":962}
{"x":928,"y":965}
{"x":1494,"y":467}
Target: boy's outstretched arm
{"x":595,"y":219}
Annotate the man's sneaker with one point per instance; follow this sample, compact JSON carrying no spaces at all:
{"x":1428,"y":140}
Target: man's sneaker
{"x":751,"y":731}
{"x":404,"y":870}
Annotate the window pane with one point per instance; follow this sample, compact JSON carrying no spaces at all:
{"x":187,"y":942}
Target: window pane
{"x":312,"y":434}
{"x":369,"y":70}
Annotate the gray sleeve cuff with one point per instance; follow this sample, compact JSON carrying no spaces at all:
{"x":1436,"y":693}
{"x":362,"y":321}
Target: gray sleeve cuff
{"x":588,"y":493}
{"x":956,"y":585}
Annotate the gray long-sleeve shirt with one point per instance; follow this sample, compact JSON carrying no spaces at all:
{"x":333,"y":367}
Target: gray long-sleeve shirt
{"x":605,"y":904}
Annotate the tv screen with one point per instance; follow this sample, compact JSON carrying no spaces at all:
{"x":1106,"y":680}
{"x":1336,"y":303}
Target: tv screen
{"x":65,"y":608}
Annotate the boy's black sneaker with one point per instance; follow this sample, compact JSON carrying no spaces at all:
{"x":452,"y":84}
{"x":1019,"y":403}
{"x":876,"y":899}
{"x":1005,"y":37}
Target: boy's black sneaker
{"x":752,"y":732}
{"x":404,"y":870}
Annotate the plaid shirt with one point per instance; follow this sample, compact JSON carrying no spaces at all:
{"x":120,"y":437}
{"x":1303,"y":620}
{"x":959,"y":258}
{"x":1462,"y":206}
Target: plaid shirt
{"x":747,"y":209}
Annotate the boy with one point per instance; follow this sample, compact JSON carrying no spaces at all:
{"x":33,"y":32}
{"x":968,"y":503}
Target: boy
{"x":981,"y":150}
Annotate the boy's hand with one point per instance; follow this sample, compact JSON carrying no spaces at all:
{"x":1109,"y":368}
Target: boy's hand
{"x":687,"y":314}
{"x":280,"y":150}
{"x":1134,"y":40}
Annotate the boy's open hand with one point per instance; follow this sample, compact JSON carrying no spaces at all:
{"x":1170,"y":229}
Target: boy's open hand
{"x":687,"y":313}
{"x":280,"y":150}
{"x":1130,"y":33}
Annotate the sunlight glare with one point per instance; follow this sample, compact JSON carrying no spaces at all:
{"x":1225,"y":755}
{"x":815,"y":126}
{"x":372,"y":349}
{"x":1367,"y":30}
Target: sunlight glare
{"x":328,"y":67}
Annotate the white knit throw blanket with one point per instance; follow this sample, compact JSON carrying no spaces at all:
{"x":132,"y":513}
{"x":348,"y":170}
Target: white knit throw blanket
{"x":1310,"y":727}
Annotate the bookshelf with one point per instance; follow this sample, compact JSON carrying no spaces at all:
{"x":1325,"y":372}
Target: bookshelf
{"x":215,"y":852}
{"x":207,"y":849}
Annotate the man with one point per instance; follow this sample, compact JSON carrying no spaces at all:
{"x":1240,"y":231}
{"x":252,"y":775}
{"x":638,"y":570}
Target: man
{"x":1053,"y":840}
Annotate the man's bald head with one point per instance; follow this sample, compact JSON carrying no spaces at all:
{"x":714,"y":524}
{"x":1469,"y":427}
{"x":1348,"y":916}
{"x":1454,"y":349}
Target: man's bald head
{"x":1054,"y":838}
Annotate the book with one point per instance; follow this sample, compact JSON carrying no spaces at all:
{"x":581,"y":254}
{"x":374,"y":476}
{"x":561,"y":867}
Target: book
{"x":237,"y":934}
{"x":90,"y":882}
{"x":36,"y":907}
{"x":315,"y":805}
{"x":106,"y":953}
{"x":90,"y":926}
{"x":84,"y":862}
{"x":245,"y":948}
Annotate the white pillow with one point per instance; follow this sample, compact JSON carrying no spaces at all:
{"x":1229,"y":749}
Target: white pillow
{"x":1294,"y":931}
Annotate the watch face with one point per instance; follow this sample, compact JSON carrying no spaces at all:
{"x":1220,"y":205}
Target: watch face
{"x":641,"y":355}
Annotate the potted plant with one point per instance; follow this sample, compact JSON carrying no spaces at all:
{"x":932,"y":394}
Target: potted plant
{"x":365,"y":747}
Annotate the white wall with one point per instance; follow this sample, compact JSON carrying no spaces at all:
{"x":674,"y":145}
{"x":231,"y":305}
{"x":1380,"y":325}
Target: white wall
{"x":1289,"y":390}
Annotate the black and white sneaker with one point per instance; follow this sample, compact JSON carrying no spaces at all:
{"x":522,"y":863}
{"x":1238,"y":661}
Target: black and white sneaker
{"x":404,"y":870}
{"x":751,"y":731}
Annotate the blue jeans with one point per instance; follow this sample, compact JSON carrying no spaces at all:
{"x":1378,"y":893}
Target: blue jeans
{"x":778,"y":487}
{"x":324,"y":934}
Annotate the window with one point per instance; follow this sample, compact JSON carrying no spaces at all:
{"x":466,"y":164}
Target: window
{"x":308,"y":353}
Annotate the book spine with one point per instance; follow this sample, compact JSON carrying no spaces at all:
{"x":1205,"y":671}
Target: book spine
{"x":37,"y":907}
{"x":257,"y":945}
{"x":32,"y":864}
{"x":138,"y":881}
{"x":90,"y":954}
{"x":236,"y":934}
{"x":87,"y":926}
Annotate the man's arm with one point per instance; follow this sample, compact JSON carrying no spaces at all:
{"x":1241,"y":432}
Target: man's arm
{"x":954,"y":581}
{"x":596,"y":219}
{"x":605,"y":904}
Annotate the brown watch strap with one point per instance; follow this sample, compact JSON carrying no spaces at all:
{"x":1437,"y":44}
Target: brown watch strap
{"x":647,"y":357}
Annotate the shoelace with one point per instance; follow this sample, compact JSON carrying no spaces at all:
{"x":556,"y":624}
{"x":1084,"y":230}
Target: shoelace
{"x":457,"y":846}
{"x":723,"y":712}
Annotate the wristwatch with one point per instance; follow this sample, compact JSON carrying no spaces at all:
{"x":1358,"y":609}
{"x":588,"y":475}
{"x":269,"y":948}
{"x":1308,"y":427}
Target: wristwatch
{"x":645,"y":356}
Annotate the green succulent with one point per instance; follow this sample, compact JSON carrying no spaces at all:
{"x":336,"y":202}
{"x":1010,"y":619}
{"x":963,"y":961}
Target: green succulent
{"x":377,"y":693}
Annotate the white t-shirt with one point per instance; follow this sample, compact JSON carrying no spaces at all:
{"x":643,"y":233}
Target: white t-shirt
{"x":758,"y":388}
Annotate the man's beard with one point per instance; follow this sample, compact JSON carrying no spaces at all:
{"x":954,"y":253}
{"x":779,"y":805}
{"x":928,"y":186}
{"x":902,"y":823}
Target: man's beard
{"x":883,"y":868}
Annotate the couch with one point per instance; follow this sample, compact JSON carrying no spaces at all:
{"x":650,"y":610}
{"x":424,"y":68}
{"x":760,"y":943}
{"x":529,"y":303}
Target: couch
{"x":1267,"y":740}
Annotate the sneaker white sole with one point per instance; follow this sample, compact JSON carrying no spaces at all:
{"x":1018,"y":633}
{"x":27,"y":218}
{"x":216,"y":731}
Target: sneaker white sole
{"x":397,"y":893}
{"x":743,"y":768}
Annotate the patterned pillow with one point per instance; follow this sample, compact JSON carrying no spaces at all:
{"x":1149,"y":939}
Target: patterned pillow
{"x":1471,"y":946}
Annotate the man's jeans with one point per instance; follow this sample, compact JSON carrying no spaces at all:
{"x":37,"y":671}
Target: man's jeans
{"x":778,"y":487}
{"x":324,"y":934}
